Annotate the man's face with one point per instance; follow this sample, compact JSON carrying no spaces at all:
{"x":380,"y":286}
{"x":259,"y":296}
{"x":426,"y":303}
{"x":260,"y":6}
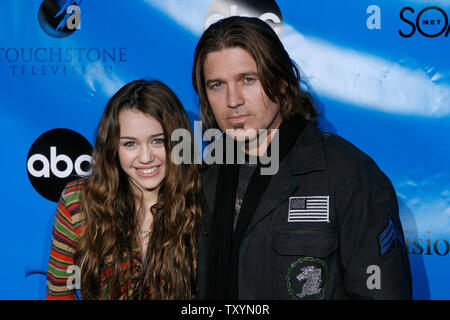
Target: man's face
{"x":236,"y":95}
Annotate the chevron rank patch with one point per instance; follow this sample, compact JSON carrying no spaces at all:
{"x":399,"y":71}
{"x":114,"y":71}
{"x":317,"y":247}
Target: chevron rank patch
{"x":309,"y":209}
{"x":390,"y":235}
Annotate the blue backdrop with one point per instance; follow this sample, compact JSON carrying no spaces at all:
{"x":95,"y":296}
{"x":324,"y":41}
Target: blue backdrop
{"x":379,"y":71}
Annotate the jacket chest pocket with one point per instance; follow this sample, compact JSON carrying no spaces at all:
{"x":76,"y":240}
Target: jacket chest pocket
{"x":300,"y":264}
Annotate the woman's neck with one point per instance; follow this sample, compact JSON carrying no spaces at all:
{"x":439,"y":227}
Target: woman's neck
{"x":145,"y":222}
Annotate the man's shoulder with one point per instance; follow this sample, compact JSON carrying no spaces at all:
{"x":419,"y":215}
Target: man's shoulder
{"x":347,"y":159}
{"x":208,"y":169}
{"x":209,"y":174}
{"x":342,"y":149}
{"x":344,"y":156}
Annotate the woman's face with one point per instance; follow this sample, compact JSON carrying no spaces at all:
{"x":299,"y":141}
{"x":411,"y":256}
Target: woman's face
{"x":142,"y":154}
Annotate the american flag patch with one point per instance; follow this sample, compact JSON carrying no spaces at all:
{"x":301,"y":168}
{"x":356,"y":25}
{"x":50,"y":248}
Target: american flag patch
{"x":309,"y":209}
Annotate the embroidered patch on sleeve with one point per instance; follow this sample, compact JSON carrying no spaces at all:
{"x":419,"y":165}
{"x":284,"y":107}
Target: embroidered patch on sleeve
{"x":309,"y":209}
{"x":389,"y":236}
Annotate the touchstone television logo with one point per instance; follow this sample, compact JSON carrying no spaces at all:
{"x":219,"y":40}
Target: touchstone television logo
{"x":56,"y":158}
{"x":266,"y":10}
{"x":60,"y":18}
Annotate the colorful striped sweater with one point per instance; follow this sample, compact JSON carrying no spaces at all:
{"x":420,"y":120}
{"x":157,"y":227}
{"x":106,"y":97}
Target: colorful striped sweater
{"x":67,"y":228}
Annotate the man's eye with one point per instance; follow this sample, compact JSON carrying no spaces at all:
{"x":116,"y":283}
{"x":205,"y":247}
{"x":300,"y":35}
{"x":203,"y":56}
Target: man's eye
{"x":216,"y":85}
{"x":249,"y":79}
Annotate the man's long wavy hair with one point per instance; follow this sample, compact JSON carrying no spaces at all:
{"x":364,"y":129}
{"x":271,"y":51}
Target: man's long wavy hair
{"x":279,"y":76}
{"x":111,"y":211}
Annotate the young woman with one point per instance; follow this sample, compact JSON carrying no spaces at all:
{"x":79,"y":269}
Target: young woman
{"x":130,"y":228}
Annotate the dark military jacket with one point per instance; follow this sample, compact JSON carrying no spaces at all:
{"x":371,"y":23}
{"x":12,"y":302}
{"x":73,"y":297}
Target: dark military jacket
{"x":327,"y":227}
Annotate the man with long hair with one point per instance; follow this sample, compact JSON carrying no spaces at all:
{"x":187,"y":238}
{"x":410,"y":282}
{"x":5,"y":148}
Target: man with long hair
{"x":325,"y":225}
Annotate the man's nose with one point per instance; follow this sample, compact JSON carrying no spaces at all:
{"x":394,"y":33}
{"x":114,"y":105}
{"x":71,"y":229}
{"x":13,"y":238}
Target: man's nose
{"x":234,"y":96}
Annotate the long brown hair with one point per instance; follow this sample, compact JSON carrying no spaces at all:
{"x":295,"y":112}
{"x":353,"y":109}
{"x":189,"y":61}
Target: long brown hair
{"x":279,"y":76}
{"x":110,"y":210}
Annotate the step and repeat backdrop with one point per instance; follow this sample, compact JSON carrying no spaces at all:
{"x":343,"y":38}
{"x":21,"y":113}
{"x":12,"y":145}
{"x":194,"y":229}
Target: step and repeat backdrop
{"x":379,"y":71}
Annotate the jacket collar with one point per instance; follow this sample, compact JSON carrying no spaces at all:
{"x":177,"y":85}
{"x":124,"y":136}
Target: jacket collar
{"x":307,"y":155}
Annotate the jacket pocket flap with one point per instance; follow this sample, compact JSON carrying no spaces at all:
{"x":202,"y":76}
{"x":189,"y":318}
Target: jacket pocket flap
{"x":298,"y":243}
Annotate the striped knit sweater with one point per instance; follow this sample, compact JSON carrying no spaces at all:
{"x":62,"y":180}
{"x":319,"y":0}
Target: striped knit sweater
{"x":67,"y":228}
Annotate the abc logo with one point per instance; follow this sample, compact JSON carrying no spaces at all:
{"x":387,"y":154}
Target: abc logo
{"x":266,"y":10}
{"x":56,"y":158}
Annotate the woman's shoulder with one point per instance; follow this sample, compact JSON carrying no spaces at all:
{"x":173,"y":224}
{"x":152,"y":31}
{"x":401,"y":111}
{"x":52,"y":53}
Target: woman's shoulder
{"x":69,"y":204}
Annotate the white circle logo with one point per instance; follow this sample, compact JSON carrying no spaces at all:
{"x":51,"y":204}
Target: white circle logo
{"x":56,"y":158}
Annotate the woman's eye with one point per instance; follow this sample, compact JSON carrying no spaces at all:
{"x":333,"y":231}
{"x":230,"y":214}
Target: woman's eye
{"x":129,"y":144}
{"x":158,"y":140}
